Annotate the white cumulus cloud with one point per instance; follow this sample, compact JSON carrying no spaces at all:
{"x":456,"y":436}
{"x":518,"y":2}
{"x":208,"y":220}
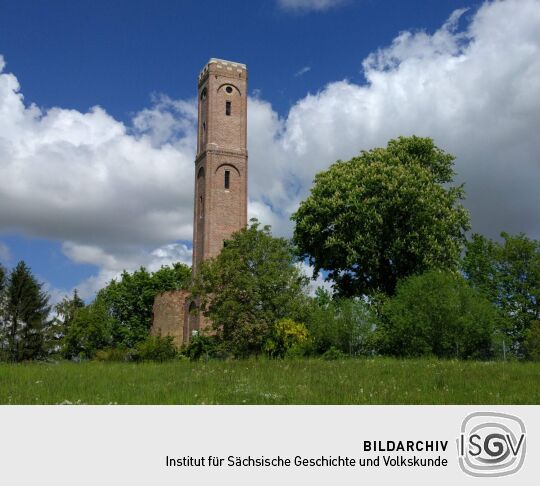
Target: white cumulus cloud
{"x":475,"y":89}
{"x":120,"y":195}
{"x":112,"y":263}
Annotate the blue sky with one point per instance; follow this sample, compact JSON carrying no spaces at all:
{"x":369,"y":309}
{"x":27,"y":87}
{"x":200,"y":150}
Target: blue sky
{"x":87,"y":191}
{"x":114,"y":54}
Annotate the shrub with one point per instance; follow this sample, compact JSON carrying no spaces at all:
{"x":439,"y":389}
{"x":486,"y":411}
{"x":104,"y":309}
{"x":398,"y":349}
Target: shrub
{"x":437,"y":313}
{"x":156,"y":348}
{"x":532,"y":341}
{"x":113,"y":354}
{"x":288,"y":338}
{"x":344,"y":324}
{"x":333,"y":354}
{"x":205,"y":346}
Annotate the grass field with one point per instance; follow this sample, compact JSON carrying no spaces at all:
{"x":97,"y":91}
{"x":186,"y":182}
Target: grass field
{"x":362,"y":381}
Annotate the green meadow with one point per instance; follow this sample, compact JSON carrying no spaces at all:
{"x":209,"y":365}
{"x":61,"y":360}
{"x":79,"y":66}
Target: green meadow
{"x":256,"y":382}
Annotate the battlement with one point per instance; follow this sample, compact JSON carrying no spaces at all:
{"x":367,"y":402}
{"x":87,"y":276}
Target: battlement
{"x":227,"y":68}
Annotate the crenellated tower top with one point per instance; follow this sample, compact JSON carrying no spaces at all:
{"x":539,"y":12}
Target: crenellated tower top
{"x":223,"y":68}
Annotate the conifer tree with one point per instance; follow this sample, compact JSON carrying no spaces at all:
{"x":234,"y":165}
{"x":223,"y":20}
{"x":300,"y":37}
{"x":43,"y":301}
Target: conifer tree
{"x":26,"y":311}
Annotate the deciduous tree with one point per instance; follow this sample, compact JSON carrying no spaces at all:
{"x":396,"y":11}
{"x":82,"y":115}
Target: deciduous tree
{"x":129,"y":300}
{"x":252,"y":284}
{"x":508,"y":273}
{"x":438,"y":314}
{"x":121,"y":314}
{"x":379,"y":217}
{"x":90,"y":330}
{"x":341,"y":324}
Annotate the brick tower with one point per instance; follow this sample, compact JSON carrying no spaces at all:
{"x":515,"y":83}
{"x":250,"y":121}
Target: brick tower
{"x":220,"y":203}
{"x":220,"y":206}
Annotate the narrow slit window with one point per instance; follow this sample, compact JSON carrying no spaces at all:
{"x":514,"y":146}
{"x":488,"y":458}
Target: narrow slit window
{"x":227,"y":179}
{"x":201,"y":207}
{"x":228,"y":108}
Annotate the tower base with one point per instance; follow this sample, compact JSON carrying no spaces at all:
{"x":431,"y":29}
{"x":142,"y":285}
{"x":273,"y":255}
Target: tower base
{"x":174,"y":315}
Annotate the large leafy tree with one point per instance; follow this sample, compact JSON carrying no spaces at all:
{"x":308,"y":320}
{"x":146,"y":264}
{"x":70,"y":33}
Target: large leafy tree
{"x":26,"y":313}
{"x":252,"y":284}
{"x":508,"y":273}
{"x":382,"y":216}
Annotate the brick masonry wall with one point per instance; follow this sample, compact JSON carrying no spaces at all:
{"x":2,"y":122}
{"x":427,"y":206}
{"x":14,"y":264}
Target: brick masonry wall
{"x":221,"y":147}
{"x":169,"y":315}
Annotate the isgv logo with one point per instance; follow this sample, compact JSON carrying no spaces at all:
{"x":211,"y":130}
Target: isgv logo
{"x":491,"y":444}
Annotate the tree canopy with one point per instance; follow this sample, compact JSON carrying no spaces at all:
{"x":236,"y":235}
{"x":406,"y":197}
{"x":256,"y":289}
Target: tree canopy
{"x":252,"y":284}
{"x":121,"y":314}
{"x":129,"y":300}
{"x":508,"y":273}
{"x":382,"y":216}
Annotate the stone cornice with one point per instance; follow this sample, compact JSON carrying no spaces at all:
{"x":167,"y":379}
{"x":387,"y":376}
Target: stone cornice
{"x":215,"y":151}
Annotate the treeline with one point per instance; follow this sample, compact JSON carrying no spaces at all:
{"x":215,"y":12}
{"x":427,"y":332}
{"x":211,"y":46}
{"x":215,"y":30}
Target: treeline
{"x":258,"y":301}
{"x":487,"y":307}
{"x":114,"y":326}
{"x":387,"y":228}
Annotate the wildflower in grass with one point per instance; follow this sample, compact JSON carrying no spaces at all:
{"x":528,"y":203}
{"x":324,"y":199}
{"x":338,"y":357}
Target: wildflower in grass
{"x":271,"y":396}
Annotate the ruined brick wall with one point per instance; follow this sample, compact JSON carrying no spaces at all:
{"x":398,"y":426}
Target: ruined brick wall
{"x":169,"y":315}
